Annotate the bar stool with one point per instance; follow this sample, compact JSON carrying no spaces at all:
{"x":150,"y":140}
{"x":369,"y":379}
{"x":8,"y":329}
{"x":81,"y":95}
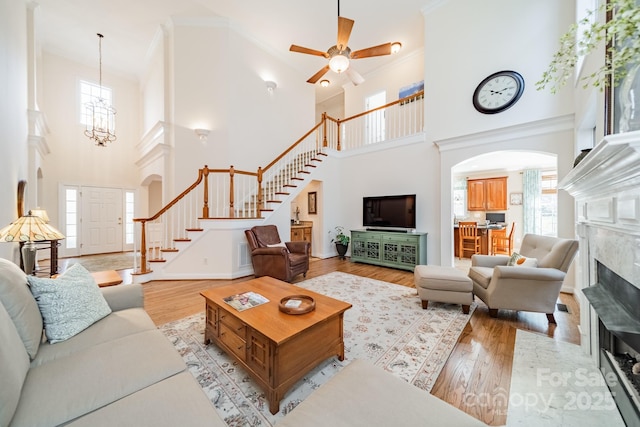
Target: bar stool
{"x":501,"y":243}
{"x":469,"y":239}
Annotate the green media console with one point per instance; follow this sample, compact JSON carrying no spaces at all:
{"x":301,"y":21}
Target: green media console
{"x":389,"y":248}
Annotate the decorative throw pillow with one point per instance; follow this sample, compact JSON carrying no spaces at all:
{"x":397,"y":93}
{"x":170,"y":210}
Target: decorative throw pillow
{"x":278,"y":245}
{"x":69,"y":304}
{"x":526,"y":262}
{"x":514,"y":258}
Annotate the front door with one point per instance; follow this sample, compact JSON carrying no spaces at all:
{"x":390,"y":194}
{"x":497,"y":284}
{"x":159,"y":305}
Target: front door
{"x":101,"y":220}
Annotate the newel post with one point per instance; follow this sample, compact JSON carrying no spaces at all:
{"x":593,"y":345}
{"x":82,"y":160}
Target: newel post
{"x":338,"y":122}
{"x":324,"y":129}
{"x":205,"y":199}
{"x":143,"y":247}
{"x":231,"y":192}
{"x":259,"y":205}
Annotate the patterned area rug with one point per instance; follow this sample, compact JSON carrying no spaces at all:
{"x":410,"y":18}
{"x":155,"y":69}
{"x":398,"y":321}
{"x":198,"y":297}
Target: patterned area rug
{"x":115,"y":261}
{"x":386,"y":325}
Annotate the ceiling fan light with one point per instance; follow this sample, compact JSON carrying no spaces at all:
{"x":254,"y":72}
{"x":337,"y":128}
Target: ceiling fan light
{"x":338,"y":63}
{"x":396,"y":47}
{"x":325,"y":83}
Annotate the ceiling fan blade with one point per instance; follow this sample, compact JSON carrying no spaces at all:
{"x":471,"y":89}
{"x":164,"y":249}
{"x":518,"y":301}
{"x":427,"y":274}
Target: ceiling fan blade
{"x":383,"y":49}
{"x":344,"y":32}
{"x":319,"y":74}
{"x":355,"y":77}
{"x":308,"y":51}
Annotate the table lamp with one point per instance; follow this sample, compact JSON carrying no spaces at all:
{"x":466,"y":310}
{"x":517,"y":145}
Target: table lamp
{"x":29,"y":229}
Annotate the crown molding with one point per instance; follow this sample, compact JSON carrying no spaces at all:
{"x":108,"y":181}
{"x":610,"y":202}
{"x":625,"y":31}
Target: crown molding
{"x":524,"y":130}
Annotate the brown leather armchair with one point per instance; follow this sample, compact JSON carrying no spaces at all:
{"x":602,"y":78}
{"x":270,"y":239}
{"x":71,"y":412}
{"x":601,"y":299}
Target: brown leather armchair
{"x":271,"y":257}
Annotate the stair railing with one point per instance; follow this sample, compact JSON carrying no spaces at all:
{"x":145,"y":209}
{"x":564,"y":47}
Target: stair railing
{"x":397,"y":119}
{"x":234,"y":193}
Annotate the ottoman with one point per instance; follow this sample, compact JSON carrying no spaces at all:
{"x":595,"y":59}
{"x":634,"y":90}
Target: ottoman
{"x":443,"y":284}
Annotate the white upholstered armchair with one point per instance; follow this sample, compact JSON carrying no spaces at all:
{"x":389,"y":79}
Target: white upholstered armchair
{"x":524,"y":288}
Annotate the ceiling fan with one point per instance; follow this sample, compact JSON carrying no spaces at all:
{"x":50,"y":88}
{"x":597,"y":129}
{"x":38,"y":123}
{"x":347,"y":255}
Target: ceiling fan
{"x":339,"y":56}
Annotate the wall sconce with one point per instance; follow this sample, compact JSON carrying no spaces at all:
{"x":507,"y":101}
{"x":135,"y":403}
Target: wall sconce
{"x":202,"y":134}
{"x":396,"y":47}
{"x":325,"y":83}
{"x":271,"y":85}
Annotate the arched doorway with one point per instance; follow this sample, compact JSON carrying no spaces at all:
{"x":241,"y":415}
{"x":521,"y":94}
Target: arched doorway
{"x":510,"y":164}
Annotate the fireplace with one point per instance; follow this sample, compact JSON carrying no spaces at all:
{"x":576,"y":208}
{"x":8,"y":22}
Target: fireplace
{"x":606,"y":189}
{"x":617,"y":304}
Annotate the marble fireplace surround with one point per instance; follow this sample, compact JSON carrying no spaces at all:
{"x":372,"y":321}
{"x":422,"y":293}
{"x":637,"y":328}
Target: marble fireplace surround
{"x":606,"y":189}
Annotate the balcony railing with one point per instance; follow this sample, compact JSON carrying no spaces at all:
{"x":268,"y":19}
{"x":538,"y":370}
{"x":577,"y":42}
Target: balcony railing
{"x":234,"y":193}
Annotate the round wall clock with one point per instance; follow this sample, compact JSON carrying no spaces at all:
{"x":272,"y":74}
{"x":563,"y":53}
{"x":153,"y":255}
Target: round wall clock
{"x":498,"y":92}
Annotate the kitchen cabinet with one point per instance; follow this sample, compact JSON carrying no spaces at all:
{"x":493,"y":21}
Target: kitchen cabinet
{"x":487,"y":194}
{"x":302,"y":232}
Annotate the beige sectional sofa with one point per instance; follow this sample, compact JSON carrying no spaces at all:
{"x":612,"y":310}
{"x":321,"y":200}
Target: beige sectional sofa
{"x":122,"y":371}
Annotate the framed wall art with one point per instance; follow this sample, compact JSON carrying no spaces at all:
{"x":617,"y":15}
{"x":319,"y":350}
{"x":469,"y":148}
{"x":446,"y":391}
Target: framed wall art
{"x":312,"y":199}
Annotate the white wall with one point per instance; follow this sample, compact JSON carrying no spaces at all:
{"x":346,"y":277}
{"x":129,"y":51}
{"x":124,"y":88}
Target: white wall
{"x":74,"y":159}
{"x":402,"y":168}
{"x":461,"y":49}
{"x":13,"y":113}
{"x":334,"y":107}
{"x":152,"y":85}
{"x":218,"y":84}
{"x":391,"y":78}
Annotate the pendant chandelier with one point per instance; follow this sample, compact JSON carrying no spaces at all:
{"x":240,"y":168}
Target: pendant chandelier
{"x":100,"y":115}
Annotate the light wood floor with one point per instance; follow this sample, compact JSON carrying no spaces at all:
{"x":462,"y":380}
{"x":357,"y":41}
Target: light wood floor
{"x":478,"y":368}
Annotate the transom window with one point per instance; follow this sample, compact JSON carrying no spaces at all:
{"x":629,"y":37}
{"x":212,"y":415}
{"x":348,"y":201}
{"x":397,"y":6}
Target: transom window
{"x":91,"y":92}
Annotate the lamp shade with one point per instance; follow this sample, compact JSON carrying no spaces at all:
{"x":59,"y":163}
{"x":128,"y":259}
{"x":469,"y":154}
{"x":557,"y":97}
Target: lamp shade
{"x":41,"y":213}
{"x":339,"y":63}
{"x":29,"y":228}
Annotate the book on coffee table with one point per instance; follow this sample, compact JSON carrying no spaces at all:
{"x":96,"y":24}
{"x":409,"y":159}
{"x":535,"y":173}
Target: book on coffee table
{"x":245,"y":300}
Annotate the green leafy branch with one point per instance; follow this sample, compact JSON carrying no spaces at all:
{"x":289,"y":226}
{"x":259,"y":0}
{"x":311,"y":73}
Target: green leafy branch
{"x":623,"y":28}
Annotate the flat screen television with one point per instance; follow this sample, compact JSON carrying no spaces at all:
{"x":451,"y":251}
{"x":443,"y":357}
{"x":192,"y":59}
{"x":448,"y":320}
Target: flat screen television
{"x":389,"y":211}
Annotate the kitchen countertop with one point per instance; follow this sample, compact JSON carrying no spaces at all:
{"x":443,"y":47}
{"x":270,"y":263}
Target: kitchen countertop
{"x":303,"y":224}
{"x":485,"y":227}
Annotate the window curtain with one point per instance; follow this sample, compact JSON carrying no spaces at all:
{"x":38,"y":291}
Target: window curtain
{"x":531,"y":192}
{"x":459,"y":198}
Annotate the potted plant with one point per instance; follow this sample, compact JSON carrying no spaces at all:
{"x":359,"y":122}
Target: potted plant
{"x":341,"y":240}
{"x":584,"y":37}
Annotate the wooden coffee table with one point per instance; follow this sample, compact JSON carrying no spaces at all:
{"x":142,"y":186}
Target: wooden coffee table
{"x":275,"y":348}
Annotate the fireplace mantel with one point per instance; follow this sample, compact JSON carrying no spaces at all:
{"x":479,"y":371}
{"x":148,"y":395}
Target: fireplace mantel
{"x":612,"y":164}
{"x":606,"y":189}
